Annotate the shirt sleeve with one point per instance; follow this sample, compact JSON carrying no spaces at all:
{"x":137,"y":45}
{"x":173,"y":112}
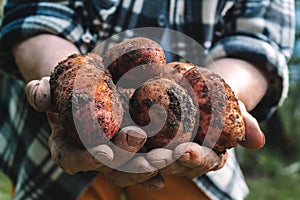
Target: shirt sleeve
{"x":27,"y":19}
{"x":23,"y":19}
{"x":262,"y":33}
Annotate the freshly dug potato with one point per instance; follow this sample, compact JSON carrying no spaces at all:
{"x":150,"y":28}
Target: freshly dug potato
{"x":86,"y":98}
{"x":175,"y":71}
{"x":221,"y":125}
{"x":166,"y":112}
{"x":135,"y":60}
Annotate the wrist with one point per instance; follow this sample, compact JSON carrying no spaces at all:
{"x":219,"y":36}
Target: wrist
{"x":248,"y":82}
{"x":37,"y":56}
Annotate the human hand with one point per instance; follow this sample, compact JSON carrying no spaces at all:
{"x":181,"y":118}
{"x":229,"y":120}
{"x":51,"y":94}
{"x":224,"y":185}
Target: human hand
{"x":249,"y":83}
{"x":192,"y":160}
{"x":255,"y":138}
{"x":104,"y":158}
{"x":187,"y":159}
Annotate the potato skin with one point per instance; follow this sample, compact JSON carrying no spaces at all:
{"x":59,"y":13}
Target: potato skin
{"x":218,"y":116}
{"x":190,"y":96}
{"x":86,"y":99}
{"x":173,"y":118}
{"x":142,"y":54}
{"x":221,"y":125}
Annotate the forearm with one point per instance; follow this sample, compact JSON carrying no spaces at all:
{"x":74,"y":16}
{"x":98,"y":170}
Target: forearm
{"x":37,"y":56}
{"x":247,"y":81}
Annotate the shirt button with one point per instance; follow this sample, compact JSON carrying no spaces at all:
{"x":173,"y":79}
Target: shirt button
{"x":161,"y":20}
{"x":87,"y":37}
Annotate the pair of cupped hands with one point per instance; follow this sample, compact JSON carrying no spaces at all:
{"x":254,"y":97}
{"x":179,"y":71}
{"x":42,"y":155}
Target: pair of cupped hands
{"x":116,"y":161}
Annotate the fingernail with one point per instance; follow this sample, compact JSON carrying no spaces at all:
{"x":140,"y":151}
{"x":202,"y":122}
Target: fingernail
{"x":31,"y":90}
{"x":102,"y":158}
{"x":133,"y":139}
{"x":134,"y":136}
{"x":38,"y":92}
{"x":42,"y":95}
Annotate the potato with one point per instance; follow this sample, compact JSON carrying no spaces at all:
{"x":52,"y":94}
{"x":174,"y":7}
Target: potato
{"x":174,"y":103}
{"x":165,"y":111}
{"x":134,"y":61}
{"x":86,"y":98}
{"x":221,"y":125}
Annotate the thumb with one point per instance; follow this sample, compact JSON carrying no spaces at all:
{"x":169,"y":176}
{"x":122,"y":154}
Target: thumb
{"x":125,"y":144}
{"x":39,"y":95}
{"x":255,"y":138}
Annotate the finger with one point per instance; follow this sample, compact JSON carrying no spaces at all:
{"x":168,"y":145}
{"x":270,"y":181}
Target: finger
{"x":39,"y":95}
{"x":222,"y":160}
{"x":138,"y":165}
{"x":72,"y":158}
{"x":53,"y":120}
{"x":130,"y":138}
{"x":178,"y":168}
{"x":160,"y":158}
{"x":204,"y":168}
{"x":174,"y":168}
{"x":125,"y":144}
{"x":135,"y":171}
{"x":255,"y":138}
{"x":164,"y":160}
{"x":193,"y":155}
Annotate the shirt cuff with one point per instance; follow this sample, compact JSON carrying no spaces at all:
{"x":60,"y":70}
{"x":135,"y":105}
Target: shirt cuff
{"x":264,"y":55}
{"x":25,"y":20}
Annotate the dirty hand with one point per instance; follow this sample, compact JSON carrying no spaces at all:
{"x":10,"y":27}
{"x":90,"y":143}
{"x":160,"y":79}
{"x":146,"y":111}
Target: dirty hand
{"x":192,"y":160}
{"x":106,"y":158}
{"x":187,"y":159}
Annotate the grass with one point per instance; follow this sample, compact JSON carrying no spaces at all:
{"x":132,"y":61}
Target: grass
{"x":275,"y":188}
{"x":270,"y":175}
{"x":5,"y":187}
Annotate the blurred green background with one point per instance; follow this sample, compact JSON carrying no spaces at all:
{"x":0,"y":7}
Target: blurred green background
{"x":272,"y":172}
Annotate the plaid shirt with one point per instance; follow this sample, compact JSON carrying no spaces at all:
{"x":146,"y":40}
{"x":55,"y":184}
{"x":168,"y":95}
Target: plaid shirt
{"x":260,"y":32}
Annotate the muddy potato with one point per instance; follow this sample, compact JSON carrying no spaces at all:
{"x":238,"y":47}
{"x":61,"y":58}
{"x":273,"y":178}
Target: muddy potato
{"x":86,"y":98}
{"x":134,"y":61}
{"x":221,"y":125}
{"x":165,"y":111}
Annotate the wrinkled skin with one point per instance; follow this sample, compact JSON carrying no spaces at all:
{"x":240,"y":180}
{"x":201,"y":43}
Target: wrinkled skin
{"x":36,"y":57}
{"x":191,"y":161}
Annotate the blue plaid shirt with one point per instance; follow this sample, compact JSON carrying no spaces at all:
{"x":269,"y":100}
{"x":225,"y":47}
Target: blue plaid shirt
{"x":261,"y":32}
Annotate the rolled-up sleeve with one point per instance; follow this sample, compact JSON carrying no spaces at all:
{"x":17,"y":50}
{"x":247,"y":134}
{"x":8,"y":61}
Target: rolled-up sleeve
{"x":23,"y":19}
{"x":261,"y":32}
{"x":28,"y":19}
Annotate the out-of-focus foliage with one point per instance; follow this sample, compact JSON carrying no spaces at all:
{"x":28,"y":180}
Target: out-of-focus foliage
{"x":273,"y":172}
{"x":5,"y":190}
